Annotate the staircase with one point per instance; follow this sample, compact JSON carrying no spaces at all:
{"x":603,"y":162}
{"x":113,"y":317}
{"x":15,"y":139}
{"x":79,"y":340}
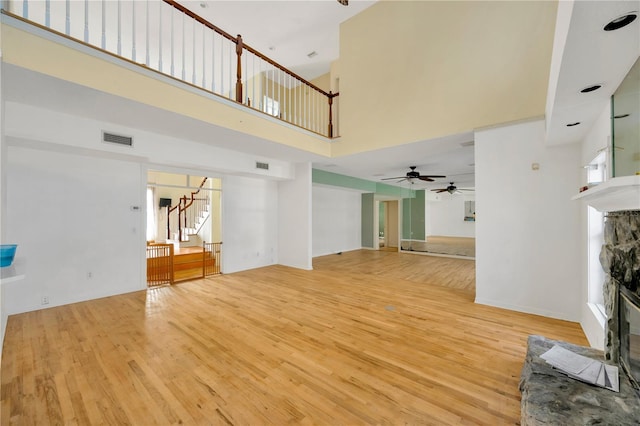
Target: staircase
{"x":191,"y":213}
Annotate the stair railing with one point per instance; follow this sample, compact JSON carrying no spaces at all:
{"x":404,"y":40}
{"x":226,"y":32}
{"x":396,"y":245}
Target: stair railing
{"x":188,"y":216}
{"x":167,"y":37}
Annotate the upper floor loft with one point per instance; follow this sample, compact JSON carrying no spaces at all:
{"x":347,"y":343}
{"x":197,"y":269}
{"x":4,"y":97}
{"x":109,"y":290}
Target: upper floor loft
{"x":408,"y":71}
{"x":161,"y":54}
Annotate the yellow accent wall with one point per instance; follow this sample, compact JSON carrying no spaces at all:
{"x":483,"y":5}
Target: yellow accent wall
{"x":416,"y":70}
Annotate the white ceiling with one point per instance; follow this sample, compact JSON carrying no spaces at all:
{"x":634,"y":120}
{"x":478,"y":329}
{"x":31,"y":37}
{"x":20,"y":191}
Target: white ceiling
{"x":286,"y":31}
{"x":590,"y":56}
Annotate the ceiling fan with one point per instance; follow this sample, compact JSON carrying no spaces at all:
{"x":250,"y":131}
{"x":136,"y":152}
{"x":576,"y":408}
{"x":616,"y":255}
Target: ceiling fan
{"x":415,"y":175}
{"x":451,"y":189}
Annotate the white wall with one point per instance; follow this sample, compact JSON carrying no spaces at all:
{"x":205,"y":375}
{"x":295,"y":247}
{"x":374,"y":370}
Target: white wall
{"x":53,"y":157}
{"x":336,"y":220}
{"x":72,"y":219}
{"x":294,"y":219}
{"x":249,"y":223}
{"x":528,"y":256}
{"x":445,"y":215}
{"x":161,"y":152}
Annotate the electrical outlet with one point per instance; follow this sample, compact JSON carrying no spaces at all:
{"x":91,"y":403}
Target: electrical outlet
{"x":89,"y":275}
{"x":45,"y":300}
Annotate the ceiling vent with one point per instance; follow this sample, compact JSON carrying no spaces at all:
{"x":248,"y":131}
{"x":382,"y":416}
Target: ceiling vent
{"x":263,"y":166}
{"x":117,"y":139}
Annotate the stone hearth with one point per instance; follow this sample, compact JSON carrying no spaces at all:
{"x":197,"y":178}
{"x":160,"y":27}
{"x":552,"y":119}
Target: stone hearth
{"x":551,"y":398}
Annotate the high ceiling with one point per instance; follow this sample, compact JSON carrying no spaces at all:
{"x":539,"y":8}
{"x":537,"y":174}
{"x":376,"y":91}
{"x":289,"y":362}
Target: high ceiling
{"x":295,"y":28}
{"x":286,"y":31}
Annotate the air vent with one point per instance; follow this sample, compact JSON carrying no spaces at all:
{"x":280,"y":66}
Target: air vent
{"x":263,"y":166}
{"x":466,"y":144}
{"x":117,"y":139}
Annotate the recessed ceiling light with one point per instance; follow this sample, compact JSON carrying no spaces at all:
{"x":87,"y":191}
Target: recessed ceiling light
{"x":621,"y":21}
{"x":621,"y":116}
{"x":591,"y":88}
{"x":573,"y":124}
{"x":204,"y":5}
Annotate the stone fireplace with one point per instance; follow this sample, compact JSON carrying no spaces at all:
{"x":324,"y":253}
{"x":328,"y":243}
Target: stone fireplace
{"x":550,"y":397}
{"x":620,"y":259}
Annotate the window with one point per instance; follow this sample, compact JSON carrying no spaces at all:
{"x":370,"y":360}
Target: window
{"x":596,"y":169}
{"x":271,"y":106}
{"x":595,"y":222}
{"x":596,"y":173}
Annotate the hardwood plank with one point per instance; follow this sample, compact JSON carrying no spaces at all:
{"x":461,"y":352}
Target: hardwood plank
{"x":367,"y":337}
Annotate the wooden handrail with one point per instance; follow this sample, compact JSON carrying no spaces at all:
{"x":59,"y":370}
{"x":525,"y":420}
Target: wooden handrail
{"x":182,"y":206}
{"x":238,"y":41}
{"x":200,"y":19}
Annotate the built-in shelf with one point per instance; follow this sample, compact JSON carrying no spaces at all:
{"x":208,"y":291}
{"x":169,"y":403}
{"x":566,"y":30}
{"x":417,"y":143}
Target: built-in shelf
{"x":620,"y":193}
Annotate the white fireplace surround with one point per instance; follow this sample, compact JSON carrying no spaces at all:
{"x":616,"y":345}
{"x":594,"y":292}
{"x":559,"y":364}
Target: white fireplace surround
{"x":615,"y":194}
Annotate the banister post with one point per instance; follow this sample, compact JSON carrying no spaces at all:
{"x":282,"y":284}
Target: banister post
{"x":330,"y":114}
{"x":168,"y":223}
{"x":239,"y":69}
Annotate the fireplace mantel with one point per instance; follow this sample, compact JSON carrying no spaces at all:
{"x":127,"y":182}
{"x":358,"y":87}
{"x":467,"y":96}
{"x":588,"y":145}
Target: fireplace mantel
{"x":621,"y":193}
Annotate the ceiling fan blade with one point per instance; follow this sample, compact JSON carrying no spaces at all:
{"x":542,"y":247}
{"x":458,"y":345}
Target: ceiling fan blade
{"x":463,"y":189}
{"x":425,"y":178}
{"x":440,"y":190}
{"x":433,"y":176}
{"x":397,"y":177}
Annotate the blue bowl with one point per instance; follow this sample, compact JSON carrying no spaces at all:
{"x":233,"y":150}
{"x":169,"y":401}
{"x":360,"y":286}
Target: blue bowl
{"x":7,"y":253}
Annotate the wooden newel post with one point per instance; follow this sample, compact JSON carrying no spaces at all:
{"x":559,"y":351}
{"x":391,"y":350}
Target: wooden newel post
{"x":330,"y":114}
{"x":239,"y":69}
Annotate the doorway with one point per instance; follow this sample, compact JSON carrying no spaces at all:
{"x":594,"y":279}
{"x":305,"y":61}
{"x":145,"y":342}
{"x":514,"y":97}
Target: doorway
{"x":388,"y":225}
{"x":183,"y":227}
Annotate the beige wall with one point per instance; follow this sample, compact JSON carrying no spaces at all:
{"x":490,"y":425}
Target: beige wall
{"x":411,"y":71}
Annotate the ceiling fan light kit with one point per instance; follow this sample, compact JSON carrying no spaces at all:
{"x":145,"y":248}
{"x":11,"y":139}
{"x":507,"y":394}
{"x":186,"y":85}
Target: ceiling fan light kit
{"x":451,"y":189}
{"x":415,"y":175}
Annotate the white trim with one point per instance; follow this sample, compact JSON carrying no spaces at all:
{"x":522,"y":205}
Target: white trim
{"x":526,"y":309}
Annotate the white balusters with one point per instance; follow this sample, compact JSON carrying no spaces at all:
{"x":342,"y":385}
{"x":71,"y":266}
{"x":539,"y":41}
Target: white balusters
{"x":204,"y":59}
{"x":86,"y":21}
{"x":172,"y":45}
{"x":193,"y":52}
{"x":160,"y":35}
{"x":119,"y":28}
{"x":184,"y":47}
{"x":147,"y":34}
{"x":103,"y":37}
{"x":133,"y":30}
{"x":213,"y":61}
{"x":67,"y":17}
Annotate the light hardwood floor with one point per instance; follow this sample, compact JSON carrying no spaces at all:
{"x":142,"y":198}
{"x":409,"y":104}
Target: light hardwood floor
{"x":367,"y":337}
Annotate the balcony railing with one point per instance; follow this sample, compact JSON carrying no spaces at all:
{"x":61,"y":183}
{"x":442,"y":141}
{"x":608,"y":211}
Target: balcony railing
{"x":167,"y":37}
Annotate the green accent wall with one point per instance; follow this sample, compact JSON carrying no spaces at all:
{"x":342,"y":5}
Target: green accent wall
{"x":413,"y":216}
{"x":413,"y":204}
{"x":334,"y":179}
{"x":367,"y":220}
